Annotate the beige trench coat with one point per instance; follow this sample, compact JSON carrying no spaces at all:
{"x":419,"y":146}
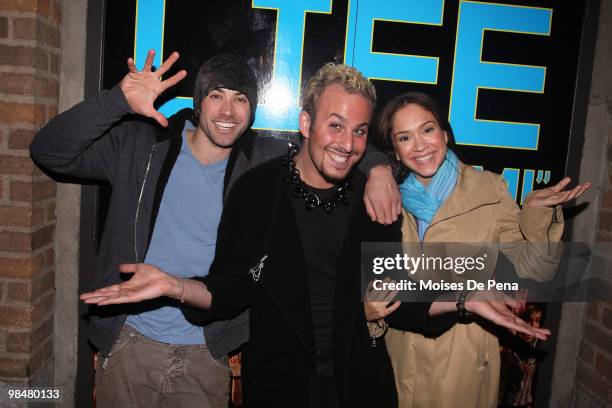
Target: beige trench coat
{"x":461,"y":367}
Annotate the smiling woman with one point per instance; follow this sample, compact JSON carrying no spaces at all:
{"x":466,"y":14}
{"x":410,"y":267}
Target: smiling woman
{"x":419,"y":141}
{"x":445,"y":200}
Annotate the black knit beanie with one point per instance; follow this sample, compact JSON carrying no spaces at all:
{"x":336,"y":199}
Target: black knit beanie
{"x":225,"y":71}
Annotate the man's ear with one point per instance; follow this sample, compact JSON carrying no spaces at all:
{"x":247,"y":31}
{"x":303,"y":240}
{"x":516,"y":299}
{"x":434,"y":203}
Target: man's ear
{"x":445,"y":137}
{"x":305,"y":124}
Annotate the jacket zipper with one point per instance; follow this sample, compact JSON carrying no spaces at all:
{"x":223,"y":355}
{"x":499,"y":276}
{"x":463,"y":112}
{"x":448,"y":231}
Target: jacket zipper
{"x":144,"y":182}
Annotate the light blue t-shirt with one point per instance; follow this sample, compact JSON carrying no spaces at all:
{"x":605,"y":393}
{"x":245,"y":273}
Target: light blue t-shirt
{"x":184,"y":240}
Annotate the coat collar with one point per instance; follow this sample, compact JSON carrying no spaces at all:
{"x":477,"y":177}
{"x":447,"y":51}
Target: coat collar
{"x":472,"y":191}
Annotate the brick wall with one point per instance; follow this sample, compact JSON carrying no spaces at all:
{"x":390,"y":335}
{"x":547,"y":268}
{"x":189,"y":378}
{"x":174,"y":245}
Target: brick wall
{"x":594,"y":368}
{"x":29,"y":78}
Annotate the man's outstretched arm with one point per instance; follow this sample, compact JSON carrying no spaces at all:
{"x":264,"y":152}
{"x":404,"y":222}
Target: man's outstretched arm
{"x":150,"y":282}
{"x":87,"y":140}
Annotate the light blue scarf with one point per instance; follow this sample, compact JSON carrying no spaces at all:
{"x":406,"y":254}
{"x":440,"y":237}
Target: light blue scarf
{"x":423,"y":202}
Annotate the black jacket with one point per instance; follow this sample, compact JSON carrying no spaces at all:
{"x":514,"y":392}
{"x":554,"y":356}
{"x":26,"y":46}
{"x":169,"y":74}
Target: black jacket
{"x":278,"y":362}
{"x":100,"y":139}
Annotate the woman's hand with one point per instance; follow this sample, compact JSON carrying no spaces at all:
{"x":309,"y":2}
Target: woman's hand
{"x":556,"y":195}
{"x":147,"y":282}
{"x":497,"y":307}
{"x":377,"y":305}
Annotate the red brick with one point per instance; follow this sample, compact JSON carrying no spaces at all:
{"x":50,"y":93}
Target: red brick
{"x":15,"y":316}
{"x":41,"y":356}
{"x":605,"y":221}
{"x":26,"y":191}
{"x":22,"y":268}
{"x":31,"y":113}
{"x":43,"y":190}
{"x":15,"y":241}
{"x":14,"y":367}
{"x":16,"y":165}
{"x":43,"y":284}
{"x":42,"y":332}
{"x":586,"y":353}
{"x":42,"y":237}
{"x":50,"y":212}
{"x":603,"y":236}
{"x":56,"y":12}
{"x":19,"y":291}
{"x":598,"y":337}
{"x":606,"y":318}
{"x":33,"y":29}
{"x":23,"y":56}
{"x":37,"y":172}
{"x":20,"y":138}
{"x":19,"y":5}
{"x":3,"y":27}
{"x":42,"y":308}
{"x":594,"y":312}
{"x":51,"y":112}
{"x":603,"y":366}
{"x":38,"y":216}
{"x":21,"y":191}
{"x":54,"y":63}
{"x":44,"y":7}
{"x":606,"y":200}
{"x":25,"y":28}
{"x":18,"y":342}
{"x":49,"y":258}
{"x":593,"y":381}
{"x":16,"y":216}
{"x":25,"y":241}
{"x":28,"y":84}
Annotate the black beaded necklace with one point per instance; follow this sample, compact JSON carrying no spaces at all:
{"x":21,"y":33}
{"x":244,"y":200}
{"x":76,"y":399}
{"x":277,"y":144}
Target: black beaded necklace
{"x":301,"y":190}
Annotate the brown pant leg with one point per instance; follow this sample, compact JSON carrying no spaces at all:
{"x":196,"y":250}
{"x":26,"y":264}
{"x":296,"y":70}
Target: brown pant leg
{"x":132,"y":375}
{"x":195,"y":379}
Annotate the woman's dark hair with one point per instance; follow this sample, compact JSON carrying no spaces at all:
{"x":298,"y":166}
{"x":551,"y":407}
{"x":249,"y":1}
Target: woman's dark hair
{"x":384,"y":125}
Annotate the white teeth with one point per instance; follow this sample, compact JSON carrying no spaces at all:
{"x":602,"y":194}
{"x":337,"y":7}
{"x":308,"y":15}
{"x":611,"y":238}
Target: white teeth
{"x":225,"y":125}
{"x":338,"y":158}
{"x":424,"y":160}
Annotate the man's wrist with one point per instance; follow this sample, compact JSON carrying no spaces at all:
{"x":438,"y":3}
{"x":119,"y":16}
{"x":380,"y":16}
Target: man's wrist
{"x":176,"y":288}
{"x":381,"y":168}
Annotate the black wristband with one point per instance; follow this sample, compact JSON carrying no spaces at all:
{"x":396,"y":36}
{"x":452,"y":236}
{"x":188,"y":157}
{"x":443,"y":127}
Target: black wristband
{"x":463,"y":313}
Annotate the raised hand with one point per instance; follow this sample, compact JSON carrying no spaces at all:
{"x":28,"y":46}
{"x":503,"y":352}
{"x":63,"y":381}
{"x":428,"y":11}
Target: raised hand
{"x":556,"y":195}
{"x":147,"y":282}
{"x":141,"y":88}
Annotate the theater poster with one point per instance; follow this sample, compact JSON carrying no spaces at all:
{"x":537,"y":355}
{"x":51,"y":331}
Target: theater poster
{"x":504,"y":70}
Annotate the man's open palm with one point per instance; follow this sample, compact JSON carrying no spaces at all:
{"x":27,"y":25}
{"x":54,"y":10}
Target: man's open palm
{"x":141,"y":88}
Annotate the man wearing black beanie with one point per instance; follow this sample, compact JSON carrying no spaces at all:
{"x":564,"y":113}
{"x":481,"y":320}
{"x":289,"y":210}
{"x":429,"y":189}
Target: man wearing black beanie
{"x":169,"y":180}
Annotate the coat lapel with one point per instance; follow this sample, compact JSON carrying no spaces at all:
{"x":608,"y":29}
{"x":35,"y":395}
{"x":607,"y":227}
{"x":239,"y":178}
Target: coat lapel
{"x":466,"y":196}
{"x":284,"y":276}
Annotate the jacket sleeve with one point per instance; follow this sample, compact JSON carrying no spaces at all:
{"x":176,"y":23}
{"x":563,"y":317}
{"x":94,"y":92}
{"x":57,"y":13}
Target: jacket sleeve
{"x":86,"y":140}
{"x":228,"y":280}
{"x":413,"y":315}
{"x":530,"y":237}
{"x":372,"y":158}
